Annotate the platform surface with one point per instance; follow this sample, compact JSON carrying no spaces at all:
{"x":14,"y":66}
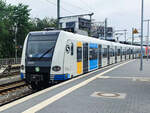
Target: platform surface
{"x":116,"y":89}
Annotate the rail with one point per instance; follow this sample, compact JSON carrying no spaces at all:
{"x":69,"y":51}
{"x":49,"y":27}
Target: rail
{"x":11,"y":86}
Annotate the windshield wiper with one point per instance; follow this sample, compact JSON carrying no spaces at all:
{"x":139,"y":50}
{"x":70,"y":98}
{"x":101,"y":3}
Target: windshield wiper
{"x":46,"y":52}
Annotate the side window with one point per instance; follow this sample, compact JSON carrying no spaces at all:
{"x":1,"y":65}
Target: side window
{"x":79,"y":54}
{"x":119,"y":52}
{"x":111,"y":52}
{"x":124,"y":51}
{"x":105,"y":52}
{"x":93,"y":53}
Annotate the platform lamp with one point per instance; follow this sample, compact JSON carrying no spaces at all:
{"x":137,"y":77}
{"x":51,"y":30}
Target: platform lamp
{"x":142,"y":19}
{"x":15,"y":40}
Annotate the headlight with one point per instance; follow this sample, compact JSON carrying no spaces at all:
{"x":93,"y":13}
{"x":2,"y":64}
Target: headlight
{"x":56,"y":68}
{"x":22,"y":67}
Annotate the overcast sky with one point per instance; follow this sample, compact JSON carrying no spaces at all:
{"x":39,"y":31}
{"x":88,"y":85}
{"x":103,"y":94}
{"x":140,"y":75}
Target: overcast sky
{"x":121,"y":14}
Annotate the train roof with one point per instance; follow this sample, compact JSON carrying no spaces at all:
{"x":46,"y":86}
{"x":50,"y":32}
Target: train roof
{"x":45,"y":32}
{"x":79,"y":37}
{"x":93,"y":40}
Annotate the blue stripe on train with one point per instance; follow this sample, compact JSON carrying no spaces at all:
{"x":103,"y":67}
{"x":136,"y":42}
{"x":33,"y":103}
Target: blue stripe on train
{"x":93,"y":64}
{"x":92,"y":45}
{"x":21,"y":76}
{"x":62,"y":77}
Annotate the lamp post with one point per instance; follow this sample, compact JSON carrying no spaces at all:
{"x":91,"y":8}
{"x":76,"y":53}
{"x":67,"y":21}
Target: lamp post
{"x":58,"y":13}
{"x":142,"y":16}
{"x":15,"y":39}
{"x":91,"y":23}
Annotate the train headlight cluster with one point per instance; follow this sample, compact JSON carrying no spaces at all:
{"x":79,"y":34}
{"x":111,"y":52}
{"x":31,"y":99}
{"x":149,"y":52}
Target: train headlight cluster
{"x":56,"y":68}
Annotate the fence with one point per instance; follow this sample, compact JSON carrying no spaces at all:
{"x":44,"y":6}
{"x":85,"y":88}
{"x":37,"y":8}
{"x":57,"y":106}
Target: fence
{"x":10,"y":61}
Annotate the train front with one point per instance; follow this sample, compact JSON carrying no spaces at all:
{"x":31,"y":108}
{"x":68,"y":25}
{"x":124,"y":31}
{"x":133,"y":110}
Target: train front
{"x":37,"y":58}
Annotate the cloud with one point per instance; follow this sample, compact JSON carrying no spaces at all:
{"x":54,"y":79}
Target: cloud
{"x":122,"y":14}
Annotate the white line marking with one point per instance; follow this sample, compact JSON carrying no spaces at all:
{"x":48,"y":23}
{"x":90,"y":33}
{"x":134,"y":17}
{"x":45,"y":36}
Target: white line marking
{"x":62,"y":94}
{"x":48,"y":89}
{"x":133,"y":78}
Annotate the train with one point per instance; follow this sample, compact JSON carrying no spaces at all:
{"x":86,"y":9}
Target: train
{"x":55,"y":56}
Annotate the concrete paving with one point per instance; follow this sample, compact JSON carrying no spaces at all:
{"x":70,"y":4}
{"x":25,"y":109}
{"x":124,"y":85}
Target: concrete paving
{"x":122,"y":90}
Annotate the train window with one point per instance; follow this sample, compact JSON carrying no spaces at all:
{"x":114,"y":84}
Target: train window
{"x":111,"y":52}
{"x":127,"y":51}
{"x":96,"y":53}
{"x":71,"y":48}
{"x":124,"y":52}
{"x":105,"y":52}
{"x":119,"y":52}
{"x":93,"y":53}
{"x":79,"y":54}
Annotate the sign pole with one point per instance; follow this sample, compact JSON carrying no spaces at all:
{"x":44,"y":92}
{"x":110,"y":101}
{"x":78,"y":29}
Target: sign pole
{"x":142,"y":16}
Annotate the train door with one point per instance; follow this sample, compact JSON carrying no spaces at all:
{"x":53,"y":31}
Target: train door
{"x":121,"y":54}
{"x":113,"y":54}
{"x":108,"y":54}
{"x":93,"y":56}
{"x":85,"y":57}
{"x":132,"y":53}
{"x":79,"y":58}
{"x":105,"y":54}
{"x":136,"y":53}
{"x":116,"y":54}
{"x":125,"y":53}
{"x":100,"y":56}
{"x":68,"y":58}
{"x":129,"y":53}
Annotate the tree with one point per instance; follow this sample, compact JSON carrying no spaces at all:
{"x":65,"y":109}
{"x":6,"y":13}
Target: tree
{"x":40,"y":24}
{"x":18,"y":16}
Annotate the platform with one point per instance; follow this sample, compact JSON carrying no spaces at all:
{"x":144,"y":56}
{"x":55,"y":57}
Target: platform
{"x":121,"y":88}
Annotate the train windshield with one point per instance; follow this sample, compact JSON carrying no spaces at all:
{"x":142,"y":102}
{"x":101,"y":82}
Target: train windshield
{"x":41,"y":46}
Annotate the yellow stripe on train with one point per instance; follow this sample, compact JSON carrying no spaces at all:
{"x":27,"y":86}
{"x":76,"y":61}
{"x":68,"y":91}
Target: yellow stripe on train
{"x":79,"y":44}
{"x":79,"y":68}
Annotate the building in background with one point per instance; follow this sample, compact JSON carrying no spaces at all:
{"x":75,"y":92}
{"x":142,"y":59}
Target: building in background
{"x":98,"y":31}
{"x":75,"y":24}
{"x":84,"y":26}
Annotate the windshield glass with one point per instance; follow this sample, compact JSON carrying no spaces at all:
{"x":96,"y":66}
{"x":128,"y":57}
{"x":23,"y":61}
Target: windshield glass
{"x":38,"y":48}
{"x":41,"y":46}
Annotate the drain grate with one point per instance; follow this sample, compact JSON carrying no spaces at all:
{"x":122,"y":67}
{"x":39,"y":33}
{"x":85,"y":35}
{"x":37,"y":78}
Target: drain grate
{"x":109,"y":95}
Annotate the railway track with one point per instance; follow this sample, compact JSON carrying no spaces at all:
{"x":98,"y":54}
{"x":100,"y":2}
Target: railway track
{"x":11,"y":86}
{"x":13,"y":91}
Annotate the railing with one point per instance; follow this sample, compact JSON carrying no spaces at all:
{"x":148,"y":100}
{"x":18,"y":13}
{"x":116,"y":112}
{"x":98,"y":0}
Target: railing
{"x":9,"y":61}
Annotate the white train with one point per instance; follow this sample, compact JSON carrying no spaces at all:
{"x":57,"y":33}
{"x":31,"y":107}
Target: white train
{"x":50,"y":56}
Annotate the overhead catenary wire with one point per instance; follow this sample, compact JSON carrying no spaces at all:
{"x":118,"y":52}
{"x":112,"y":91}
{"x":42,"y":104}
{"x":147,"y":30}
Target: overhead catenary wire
{"x":75,"y":6}
{"x":87,"y":5}
{"x":52,"y":3}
